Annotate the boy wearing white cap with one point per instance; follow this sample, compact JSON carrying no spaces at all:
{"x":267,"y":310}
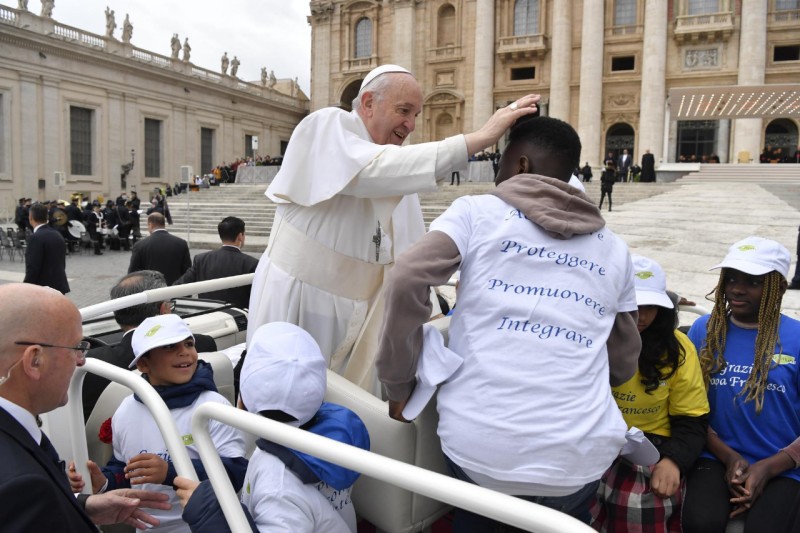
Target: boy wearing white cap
{"x":347,"y":206}
{"x":665,"y":399}
{"x":164,"y":352}
{"x":749,"y":355}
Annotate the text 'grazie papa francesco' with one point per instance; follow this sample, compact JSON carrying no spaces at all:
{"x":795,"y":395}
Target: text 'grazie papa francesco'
{"x":559,"y":258}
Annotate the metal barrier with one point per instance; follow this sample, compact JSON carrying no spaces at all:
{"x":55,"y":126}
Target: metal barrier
{"x":150,"y":398}
{"x":514,"y":511}
{"x":165,"y":293}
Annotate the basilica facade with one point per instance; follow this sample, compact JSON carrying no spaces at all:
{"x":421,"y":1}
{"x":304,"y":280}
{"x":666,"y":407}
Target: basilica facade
{"x":686,"y":79}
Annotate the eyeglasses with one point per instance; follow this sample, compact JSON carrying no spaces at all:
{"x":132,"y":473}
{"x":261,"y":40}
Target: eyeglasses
{"x":81,"y":348}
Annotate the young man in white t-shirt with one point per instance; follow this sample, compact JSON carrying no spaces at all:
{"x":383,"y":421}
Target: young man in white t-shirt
{"x":545,"y":319}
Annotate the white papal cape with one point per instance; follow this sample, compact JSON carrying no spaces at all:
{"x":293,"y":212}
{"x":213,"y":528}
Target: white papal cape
{"x":324,"y":266}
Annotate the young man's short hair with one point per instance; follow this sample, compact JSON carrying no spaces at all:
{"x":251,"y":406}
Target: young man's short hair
{"x":230,"y":228}
{"x":134,"y":283}
{"x":551,"y":135}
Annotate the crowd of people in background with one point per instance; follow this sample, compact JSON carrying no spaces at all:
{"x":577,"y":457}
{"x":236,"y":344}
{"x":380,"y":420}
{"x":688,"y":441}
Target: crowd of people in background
{"x":778,"y":155}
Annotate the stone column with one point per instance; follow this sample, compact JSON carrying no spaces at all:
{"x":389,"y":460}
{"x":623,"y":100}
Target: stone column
{"x":321,"y":85}
{"x":561,"y":61}
{"x":31,"y":130}
{"x":403,"y":27}
{"x":752,"y":56}
{"x":591,"y":88}
{"x":483,"y":72}
{"x":722,"y":146}
{"x":654,"y":61}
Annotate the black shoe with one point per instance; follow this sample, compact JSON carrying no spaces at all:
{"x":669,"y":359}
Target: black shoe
{"x":794,"y":286}
{"x":98,"y":253}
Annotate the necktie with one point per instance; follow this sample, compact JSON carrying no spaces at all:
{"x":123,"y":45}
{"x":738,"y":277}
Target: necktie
{"x":50,"y":450}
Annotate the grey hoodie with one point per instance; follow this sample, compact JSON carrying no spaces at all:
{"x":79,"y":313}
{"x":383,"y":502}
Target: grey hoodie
{"x":560,"y":209}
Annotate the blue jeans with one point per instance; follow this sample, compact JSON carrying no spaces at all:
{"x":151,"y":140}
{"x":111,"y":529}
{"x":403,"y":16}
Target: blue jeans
{"x":575,"y":505}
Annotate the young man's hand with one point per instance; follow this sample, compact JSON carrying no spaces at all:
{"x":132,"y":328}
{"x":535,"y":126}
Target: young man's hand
{"x":665,"y":478}
{"x":146,"y":468}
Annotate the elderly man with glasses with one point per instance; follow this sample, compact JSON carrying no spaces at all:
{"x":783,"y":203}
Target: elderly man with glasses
{"x":36,"y":366}
{"x":128,"y":319}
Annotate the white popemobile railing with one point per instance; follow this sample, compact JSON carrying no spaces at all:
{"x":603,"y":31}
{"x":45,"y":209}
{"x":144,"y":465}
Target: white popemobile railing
{"x":522,"y":514}
{"x":508,"y":509}
{"x":150,"y":398}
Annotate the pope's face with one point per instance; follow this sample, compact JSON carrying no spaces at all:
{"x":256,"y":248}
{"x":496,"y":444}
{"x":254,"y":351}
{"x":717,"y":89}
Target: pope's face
{"x":392,"y":116}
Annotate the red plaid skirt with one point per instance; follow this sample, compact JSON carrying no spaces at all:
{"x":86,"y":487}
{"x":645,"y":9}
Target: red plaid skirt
{"x":625,"y":503}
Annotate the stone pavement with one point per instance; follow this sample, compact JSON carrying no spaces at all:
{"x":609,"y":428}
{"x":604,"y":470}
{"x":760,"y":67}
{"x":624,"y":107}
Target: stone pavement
{"x":687,"y":228}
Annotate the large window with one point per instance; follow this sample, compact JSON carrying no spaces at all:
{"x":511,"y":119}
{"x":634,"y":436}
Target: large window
{"x":363,"y":38}
{"x":526,"y":17}
{"x":625,"y":13}
{"x":248,"y":145}
{"x":152,"y":148}
{"x":206,"y":149}
{"x":446,"y":26}
{"x":701,"y":7}
{"x":787,"y":5}
{"x":696,"y":138}
{"x":80,"y":140}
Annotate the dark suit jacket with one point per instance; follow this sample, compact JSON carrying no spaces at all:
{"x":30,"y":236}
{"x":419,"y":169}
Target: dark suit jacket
{"x":121,"y":355}
{"x":163,"y":252}
{"x":34,"y":491}
{"x":648,"y":168}
{"x":624,"y":166}
{"x":46,"y":259}
{"x":227,"y":261}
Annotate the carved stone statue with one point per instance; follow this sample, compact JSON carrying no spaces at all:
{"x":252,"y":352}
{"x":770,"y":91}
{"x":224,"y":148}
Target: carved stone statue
{"x":47,"y":8}
{"x":22,"y":5}
{"x":127,"y":30}
{"x":176,"y":46}
{"x":187,"y":50}
{"x":234,"y":66}
{"x":272,"y":79}
{"x":263,"y":76}
{"x":111,"y":24}
{"x":295,"y":86}
{"x":224,"y":63}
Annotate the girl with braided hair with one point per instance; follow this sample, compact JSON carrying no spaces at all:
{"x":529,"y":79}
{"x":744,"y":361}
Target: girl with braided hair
{"x":749,"y":355}
{"x":666,"y":399}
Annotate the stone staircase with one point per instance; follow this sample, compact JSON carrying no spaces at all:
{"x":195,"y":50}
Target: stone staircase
{"x":208,"y":206}
{"x":756,"y":173}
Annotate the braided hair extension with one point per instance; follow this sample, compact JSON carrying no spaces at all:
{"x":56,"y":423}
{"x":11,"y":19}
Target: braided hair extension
{"x":661,"y":353}
{"x":769,"y":312}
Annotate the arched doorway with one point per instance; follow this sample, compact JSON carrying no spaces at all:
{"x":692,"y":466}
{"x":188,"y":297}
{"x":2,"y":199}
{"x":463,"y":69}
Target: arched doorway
{"x":349,"y":93}
{"x":445,"y":126}
{"x":619,"y":137}
{"x":782,"y":138}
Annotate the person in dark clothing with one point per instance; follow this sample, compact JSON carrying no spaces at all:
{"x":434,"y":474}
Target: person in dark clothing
{"x":648,"y":167}
{"x":586,"y":172}
{"x":607,"y":180}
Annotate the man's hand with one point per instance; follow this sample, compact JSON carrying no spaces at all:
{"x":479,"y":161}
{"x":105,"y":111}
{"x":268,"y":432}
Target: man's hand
{"x":76,"y":480}
{"x":123,"y":507}
{"x":498,"y":123}
{"x":396,"y":410}
{"x":184,"y":488}
{"x":146,"y":468}
{"x":665,"y":478}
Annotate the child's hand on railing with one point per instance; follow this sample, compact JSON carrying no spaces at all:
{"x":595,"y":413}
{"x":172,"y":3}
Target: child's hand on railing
{"x":76,"y":480}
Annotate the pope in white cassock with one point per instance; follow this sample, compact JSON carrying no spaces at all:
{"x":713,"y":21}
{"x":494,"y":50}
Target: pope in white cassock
{"x":347,"y":205}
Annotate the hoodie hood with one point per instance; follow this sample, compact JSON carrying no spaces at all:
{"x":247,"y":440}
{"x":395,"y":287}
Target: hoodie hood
{"x":335,"y":422}
{"x":560,"y":209}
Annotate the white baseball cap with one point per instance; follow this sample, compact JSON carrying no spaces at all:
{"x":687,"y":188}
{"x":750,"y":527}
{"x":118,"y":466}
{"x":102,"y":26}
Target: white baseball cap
{"x":650,"y":283}
{"x":757,"y":256}
{"x":436,"y":364}
{"x":383,"y":69}
{"x":284,"y":370}
{"x":158,"y":331}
